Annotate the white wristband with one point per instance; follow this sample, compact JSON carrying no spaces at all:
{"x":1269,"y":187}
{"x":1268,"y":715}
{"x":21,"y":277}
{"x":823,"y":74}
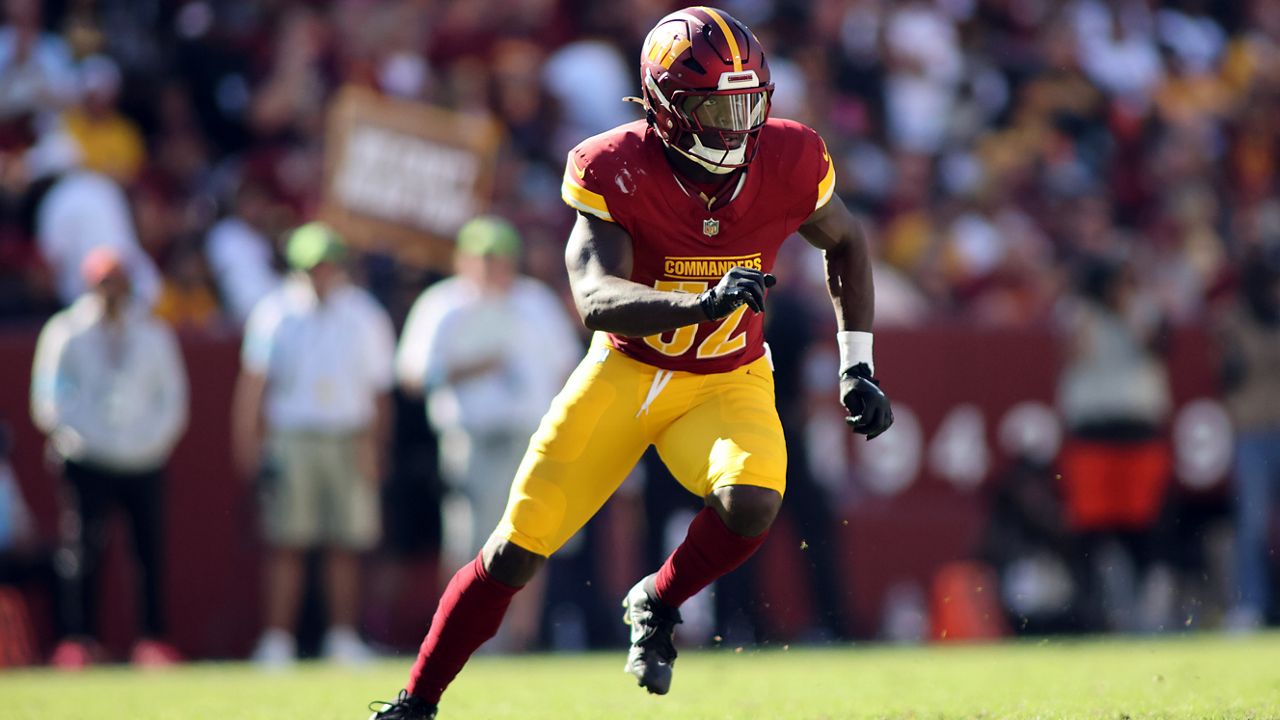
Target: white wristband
{"x":855,"y":347}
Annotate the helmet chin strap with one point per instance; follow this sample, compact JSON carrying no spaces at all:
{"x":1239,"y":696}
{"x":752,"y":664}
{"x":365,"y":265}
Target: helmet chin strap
{"x":735,"y":156}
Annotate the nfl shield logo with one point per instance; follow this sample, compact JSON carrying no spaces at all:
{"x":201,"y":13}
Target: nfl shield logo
{"x":710,"y":227}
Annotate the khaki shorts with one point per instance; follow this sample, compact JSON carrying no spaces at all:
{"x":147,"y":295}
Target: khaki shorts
{"x":313,"y":493}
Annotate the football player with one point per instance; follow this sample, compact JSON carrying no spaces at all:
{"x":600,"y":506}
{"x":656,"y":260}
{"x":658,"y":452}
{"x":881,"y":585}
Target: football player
{"x":680,"y":217}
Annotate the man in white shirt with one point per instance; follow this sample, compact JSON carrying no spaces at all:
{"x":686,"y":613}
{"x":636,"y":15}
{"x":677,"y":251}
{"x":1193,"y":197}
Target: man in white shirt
{"x":316,"y":371}
{"x":83,"y":210}
{"x":490,"y":348}
{"x":109,"y":389}
{"x":240,"y":254}
{"x":37,"y":68}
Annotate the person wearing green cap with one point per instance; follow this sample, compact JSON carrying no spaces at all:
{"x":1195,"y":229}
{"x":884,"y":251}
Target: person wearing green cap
{"x":467,"y":344}
{"x":316,"y":371}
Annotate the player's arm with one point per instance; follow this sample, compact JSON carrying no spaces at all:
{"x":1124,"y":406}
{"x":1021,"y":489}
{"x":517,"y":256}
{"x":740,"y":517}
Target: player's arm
{"x":833,"y":230}
{"x":598,"y":258}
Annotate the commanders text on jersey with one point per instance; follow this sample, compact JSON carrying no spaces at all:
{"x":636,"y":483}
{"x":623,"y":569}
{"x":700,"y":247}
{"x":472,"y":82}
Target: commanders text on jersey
{"x":708,"y":267}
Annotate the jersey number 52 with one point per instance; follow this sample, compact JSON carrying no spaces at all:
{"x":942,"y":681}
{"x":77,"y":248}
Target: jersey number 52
{"x":678,"y":342}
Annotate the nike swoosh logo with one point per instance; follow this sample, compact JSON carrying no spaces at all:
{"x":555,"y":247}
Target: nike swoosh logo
{"x":582,"y":172}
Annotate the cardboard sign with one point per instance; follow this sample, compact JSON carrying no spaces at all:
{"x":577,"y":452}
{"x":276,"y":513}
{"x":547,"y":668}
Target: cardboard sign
{"x":402,"y":177}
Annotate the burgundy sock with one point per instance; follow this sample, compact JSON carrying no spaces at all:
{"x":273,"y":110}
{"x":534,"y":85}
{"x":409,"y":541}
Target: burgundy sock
{"x":469,"y":613}
{"x":708,"y":551}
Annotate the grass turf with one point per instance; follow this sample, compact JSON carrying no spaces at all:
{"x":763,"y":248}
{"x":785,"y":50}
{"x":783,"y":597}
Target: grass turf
{"x":1194,"y":676}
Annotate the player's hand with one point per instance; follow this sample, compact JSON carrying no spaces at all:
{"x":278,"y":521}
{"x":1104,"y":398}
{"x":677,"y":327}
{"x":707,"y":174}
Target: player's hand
{"x":868,"y":407}
{"x":739,"y":286}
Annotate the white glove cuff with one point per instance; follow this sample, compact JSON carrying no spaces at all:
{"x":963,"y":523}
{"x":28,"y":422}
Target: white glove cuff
{"x":855,"y":347}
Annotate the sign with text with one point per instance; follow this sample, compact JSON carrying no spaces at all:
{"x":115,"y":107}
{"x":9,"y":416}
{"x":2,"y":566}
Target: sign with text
{"x":402,"y":177}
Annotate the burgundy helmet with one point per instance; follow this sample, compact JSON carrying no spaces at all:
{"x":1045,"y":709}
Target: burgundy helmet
{"x":706,"y":87}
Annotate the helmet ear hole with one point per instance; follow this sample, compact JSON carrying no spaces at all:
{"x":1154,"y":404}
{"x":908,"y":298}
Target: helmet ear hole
{"x":694,"y":65}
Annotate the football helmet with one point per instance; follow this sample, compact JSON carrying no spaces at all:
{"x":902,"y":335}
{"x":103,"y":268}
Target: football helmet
{"x":706,"y":87}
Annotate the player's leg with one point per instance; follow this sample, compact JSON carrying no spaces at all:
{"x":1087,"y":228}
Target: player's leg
{"x":586,"y":444}
{"x":729,"y":449}
{"x":470,"y":610}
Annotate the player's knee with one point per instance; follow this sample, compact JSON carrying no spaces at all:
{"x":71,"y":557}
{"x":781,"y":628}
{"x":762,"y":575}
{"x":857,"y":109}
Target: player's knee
{"x":509,"y":563}
{"x":746,"y":509}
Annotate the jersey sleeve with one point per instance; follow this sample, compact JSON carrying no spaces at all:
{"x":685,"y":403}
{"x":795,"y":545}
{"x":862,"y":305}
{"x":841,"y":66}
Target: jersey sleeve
{"x":581,"y":189}
{"x":808,"y":167}
{"x":827,"y":185}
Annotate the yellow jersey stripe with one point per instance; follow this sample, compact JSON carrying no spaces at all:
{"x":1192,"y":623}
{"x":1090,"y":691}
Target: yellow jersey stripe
{"x":827,"y":186}
{"x":733,"y":42}
{"x":580,"y":198}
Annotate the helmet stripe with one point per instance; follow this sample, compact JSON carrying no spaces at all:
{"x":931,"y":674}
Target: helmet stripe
{"x":733,"y":42}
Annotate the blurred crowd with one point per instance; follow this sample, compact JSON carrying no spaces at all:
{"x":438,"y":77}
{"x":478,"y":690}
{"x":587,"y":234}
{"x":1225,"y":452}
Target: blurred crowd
{"x":988,"y":143}
{"x":1105,"y":166}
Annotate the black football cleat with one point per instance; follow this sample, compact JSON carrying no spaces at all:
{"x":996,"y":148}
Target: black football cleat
{"x":405,"y":707}
{"x":653,"y":626}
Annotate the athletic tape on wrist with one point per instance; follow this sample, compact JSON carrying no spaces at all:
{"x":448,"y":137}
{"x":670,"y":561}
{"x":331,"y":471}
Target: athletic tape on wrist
{"x":855,"y":347}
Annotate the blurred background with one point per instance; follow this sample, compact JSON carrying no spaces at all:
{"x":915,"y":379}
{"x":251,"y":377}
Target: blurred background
{"x":1073,"y":208}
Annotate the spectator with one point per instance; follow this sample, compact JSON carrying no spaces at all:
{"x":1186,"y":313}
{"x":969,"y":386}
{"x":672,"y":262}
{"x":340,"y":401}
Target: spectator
{"x":109,"y":390}
{"x":1250,"y":333}
{"x":240,"y":252}
{"x":80,"y":211}
{"x":186,"y":301}
{"x":292,"y":95}
{"x":468,"y":343}
{"x":24,"y":558}
{"x":1192,"y":33}
{"x":25,"y":563}
{"x":1114,"y":395}
{"x":109,"y":142}
{"x":1027,"y":543}
{"x":317,"y":368}
{"x":925,"y":71}
{"x":17,"y":530}
{"x":587,"y":77}
{"x":1117,"y":47}
{"x":37,"y":73}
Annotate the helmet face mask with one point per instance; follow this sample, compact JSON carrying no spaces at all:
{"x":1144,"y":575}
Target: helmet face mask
{"x":734,"y":111}
{"x":706,"y":86}
{"x":721,"y":126}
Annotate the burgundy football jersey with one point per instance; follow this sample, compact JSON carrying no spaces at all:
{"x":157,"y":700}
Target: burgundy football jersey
{"x":623,"y":176}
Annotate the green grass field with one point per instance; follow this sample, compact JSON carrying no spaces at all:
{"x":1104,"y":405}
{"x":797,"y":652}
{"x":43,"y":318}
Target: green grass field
{"x":1179,"y":677}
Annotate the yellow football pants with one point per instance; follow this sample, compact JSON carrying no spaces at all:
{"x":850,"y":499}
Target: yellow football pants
{"x":712,"y":431}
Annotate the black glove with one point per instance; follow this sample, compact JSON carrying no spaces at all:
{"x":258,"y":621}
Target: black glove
{"x":869,"y":411}
{"x":738,"y":286}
